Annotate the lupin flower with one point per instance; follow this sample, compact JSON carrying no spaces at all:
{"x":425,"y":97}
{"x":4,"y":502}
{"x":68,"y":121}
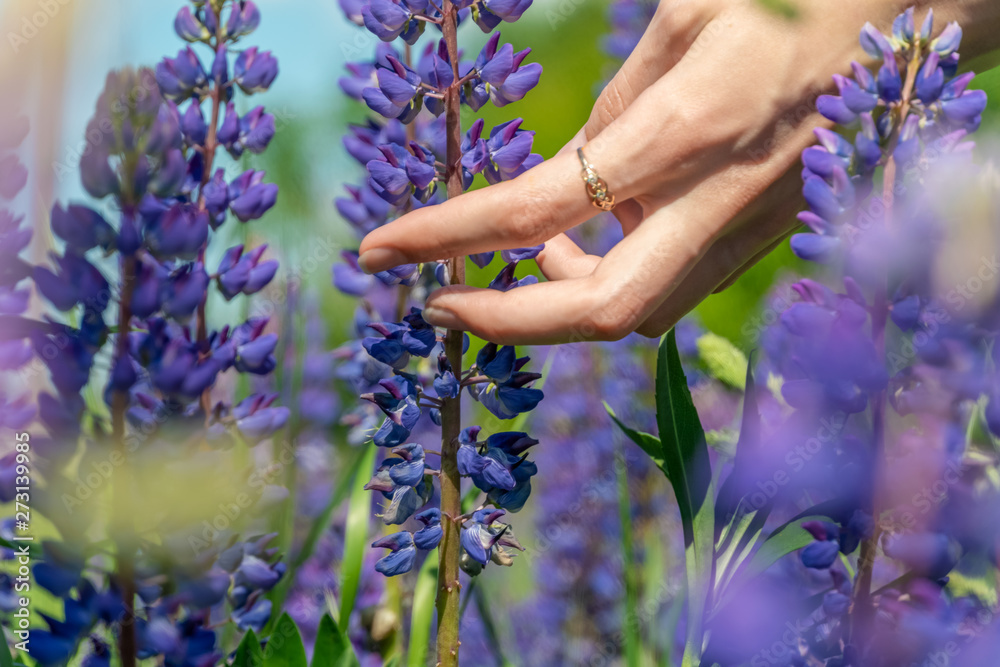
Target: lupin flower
{"x":249,"y":197}
{"x":179,"y":77}
{"x":398,"y":341}
{"x":484,"y":539}
{"x":399,"y":93}
{"x":507,"y":393}
{"x":940,"y":112}
{"x":401,"y":173}
{"x":429,"y":536}
{"x":244,"y":273}
{"x":176,"y":232}
{"x":506,"y":154}
{"x":158,"y":168}
{"x":254,"y":71}
{"x":388,"y":20}
{"x":403,"y":554}
{"x":489,"y":13}
{"x":500,"y":75}
{"x":408,"y":161}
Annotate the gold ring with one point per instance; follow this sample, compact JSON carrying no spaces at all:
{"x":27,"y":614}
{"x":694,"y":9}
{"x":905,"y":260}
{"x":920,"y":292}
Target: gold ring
{"x":597,"y":189}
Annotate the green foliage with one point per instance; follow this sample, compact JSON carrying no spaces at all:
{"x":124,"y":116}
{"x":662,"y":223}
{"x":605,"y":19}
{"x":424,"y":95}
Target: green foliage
{"x":681,"y":452}
{"x":783,"y":541}
{"x":6,"y":660}
{"x":249,"y":654}
{"x":318,"y":527}
{"x":649,"y":443}
{"x":333,"y":648}
{"x":423,"y":611}
{"x":356,"y":534}
{"x":633,"y":647}
{"x":683,"y":449}
{"x":284,"y":646}
{"x":724,"y":361}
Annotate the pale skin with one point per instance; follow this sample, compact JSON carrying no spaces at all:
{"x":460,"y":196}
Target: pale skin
{"x":699,"y":136}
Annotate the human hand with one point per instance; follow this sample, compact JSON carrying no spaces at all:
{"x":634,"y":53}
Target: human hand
{"x":698,"y":136}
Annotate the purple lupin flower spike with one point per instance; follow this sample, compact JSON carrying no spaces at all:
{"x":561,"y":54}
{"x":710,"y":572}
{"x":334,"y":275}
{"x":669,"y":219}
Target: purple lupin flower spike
{"x":158,"y":168}
{"x":412,"y":159}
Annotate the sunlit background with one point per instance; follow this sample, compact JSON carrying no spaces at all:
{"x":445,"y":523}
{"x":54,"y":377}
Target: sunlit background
{"x":59,"y":70}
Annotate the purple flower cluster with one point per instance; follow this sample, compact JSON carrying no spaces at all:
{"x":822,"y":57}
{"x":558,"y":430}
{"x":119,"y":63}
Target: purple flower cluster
{"x":887,"y":381}
{"x":933,"y":117}
{"x":178,"y":601}
{"x":152,"y":147}
{"x":404,"y":151}
{"x":15,"y":350}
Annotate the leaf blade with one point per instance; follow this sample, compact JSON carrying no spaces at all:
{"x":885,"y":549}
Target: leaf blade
{"x":685,"y":456}
{"x":422,"y":613}
{"x":284,"y":646}
{"x":647,"y":442}
{"x":356,"y":535}
{"x":333,"y":648}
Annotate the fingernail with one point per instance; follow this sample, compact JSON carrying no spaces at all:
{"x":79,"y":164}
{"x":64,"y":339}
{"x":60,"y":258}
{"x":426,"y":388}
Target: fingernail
{"x":440,"y":317}
{"x":380,"y":259}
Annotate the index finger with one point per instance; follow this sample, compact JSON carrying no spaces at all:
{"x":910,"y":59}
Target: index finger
{"x":528,"y":210}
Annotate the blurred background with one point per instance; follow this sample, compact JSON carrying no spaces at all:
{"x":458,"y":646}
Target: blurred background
{"x":562,"y":601}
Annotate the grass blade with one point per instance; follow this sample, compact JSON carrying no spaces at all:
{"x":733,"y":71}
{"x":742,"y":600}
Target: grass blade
{"x":685,"y":460}
{"x":356,"y":535}
{"x":319,"y":526}
{"x":422,"y":614}
{"x":632,"y":645}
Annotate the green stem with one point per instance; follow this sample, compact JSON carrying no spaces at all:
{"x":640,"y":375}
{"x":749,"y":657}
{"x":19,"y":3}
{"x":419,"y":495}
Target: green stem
{"x":122,"y":501}
{"x":449,"y":586}
{"x":632,"y":646}
{"x":862,"y":609}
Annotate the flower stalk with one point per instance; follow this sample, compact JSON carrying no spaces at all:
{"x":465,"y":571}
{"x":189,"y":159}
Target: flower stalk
{"x":449,"y":586}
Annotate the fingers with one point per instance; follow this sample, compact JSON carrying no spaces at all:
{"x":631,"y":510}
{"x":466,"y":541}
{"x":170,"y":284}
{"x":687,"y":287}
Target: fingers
{"x":670,"y":34}
{"x":712,"y":274}
{"x":607,"y":304}
{"x":758,"y":231}
{"x":549,"y":198}
{"x":525,"y":211}
{"x":736,"y":275}
{"x":562,"y":259}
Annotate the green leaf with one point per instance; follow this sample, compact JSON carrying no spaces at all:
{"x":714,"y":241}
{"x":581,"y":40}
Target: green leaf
{"x":333,"y":648}
{"x":737,"y":545}
{"x":724,"y":361}
{"x":783,"y":541}
{"x":316,"y":530}
{"x":6,"y":659}
{"x":685,"y":461}
{"x":681,"y":452}
{"x":727,"y":559}
{"x":284,"y":646}
{"x":249,"y":654}
{"x":975,"y":577}
{"x":423,"y":611}
{"x":394,"y":661}
{"x":649,"y":443}
{"x":356,"y":534}
{"x":682,"y":439}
